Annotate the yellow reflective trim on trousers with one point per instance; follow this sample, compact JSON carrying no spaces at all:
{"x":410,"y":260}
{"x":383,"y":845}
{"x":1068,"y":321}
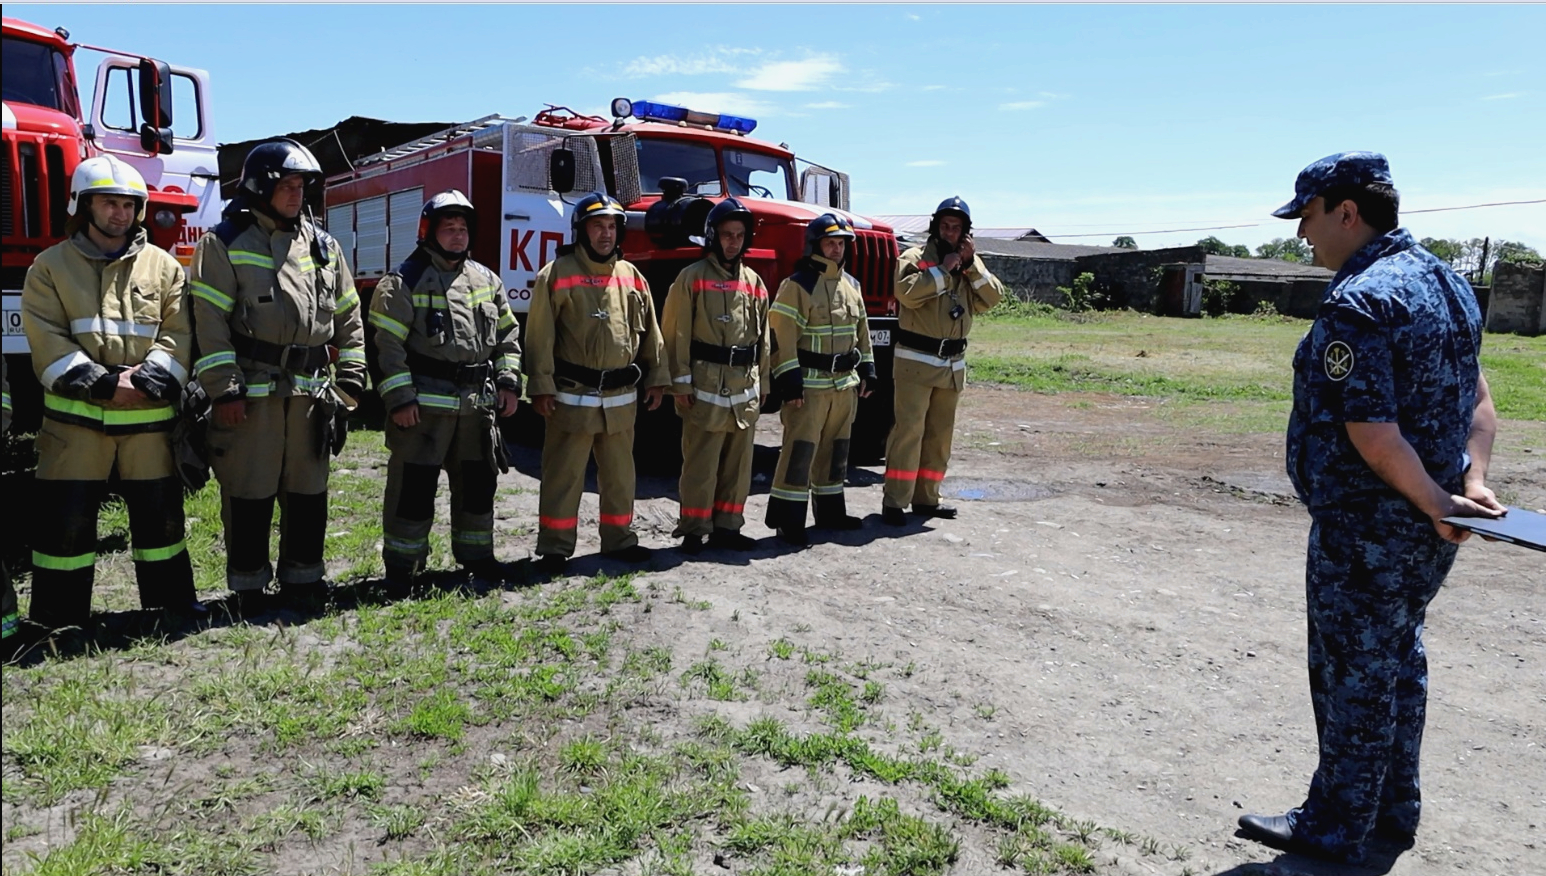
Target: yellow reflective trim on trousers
{"x":155,"y":555}
{"x":788,"y":495}
{"x":252,"y":259}
{"x":102,"y":415}
{"x":41,"y":560}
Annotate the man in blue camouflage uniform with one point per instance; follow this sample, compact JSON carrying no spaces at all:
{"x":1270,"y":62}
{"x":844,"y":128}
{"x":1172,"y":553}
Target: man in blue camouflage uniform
{"x":1391,"y":431}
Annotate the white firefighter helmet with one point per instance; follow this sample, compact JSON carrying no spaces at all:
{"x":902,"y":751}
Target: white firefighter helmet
{"x":106,"y":175}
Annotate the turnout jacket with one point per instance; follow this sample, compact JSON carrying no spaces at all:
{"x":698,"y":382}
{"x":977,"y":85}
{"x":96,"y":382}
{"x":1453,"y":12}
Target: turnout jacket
{"x":430,"y":310}
{"x":596,"y":315}
{"x":254,"y":279}
{"x":723,"y":307}
{"x":89,"y":315}
{"x":820,"y":309}
{"x":927,"y":294}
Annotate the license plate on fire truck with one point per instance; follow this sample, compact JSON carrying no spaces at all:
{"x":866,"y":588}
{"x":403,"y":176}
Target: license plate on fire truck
{"x":880,"y":337}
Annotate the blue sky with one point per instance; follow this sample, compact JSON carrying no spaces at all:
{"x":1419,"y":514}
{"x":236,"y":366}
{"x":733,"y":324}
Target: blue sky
{"x":1078,"y":120}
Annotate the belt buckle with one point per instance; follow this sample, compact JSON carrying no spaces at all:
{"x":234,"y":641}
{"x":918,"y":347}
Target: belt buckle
{"x":601,"y":380}
{"x":285,"y":355}
{"x":941,"y":351}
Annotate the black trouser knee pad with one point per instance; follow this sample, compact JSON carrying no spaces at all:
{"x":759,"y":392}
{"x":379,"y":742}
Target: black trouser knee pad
{"x":478,"y":485}
{"x":252,"y":520}
{"x":798,"y":474}
{"x":416,"y":499}
{"x":305,"y":527}
{"x":839,"y":471}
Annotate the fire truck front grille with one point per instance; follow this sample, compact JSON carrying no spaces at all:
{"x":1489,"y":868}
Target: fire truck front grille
{"x":874,"y":265}
{"x":7,"y":212}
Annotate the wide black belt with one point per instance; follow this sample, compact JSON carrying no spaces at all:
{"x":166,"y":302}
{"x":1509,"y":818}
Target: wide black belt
{"x":461,"y":375}
{"x":944,"y":348}
{"x":295,"y":358}
{"x":702,"y":350}
{"x":613,"y":378}
{"x":835,"y":363}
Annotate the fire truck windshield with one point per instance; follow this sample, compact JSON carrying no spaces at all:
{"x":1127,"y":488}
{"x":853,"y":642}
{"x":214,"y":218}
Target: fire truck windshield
{"x":694,"y":162}
{"x":36,"y":74}
{"x":760,"y":174}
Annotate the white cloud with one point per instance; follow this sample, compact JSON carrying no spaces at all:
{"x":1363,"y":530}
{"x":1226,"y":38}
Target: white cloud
{"x":926,"y":163}
{"x":827,"y":104}
{"x":729,"y":60}
{"x":806,"y":75}
{"x":1022,"y":105}
{"x":1507,"y":96}
{"x":912,"y":17}
{"x":935,"y":87}
{"x":719,"y":102}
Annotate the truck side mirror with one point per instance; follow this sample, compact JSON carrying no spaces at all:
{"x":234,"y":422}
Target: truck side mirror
{"x":156,"y":107}
{"x":561,"y":170}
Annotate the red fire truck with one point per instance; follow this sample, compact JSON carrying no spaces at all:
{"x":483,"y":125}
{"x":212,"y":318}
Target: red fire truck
{"x":47,"y":132}
{"x":667,"y":164}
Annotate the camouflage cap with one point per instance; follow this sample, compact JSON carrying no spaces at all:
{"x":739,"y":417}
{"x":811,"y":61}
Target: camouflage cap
{"x":1344,"y":168}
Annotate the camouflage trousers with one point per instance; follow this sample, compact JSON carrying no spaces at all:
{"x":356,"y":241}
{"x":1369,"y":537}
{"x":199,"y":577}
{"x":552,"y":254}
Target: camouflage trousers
{"x":1369,"y":576}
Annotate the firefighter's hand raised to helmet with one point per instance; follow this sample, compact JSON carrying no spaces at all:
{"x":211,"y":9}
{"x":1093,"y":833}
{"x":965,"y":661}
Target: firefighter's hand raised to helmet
{"x":653,"y":396}
{"x":545,"y":404}
{"x":407,"y":416}
{"x":967,"y":249}
{"x":951,"y":262}
{"x":232,"y":412}
{"x":509,"y":400}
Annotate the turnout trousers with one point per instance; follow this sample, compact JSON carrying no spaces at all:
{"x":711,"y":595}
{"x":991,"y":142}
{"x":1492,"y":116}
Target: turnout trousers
{"x":276,"y":454}
{"x":716,"y":478}
{"x":74,"y":463}
{"x":1369,"y":578}
{"x":564,"y":455}
{"x":458,"y":445}
{"x":919,"y":447}
{"x":814,"y":458}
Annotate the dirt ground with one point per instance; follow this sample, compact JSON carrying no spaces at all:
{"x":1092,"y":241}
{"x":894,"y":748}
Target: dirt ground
{"x":1123,"y":599}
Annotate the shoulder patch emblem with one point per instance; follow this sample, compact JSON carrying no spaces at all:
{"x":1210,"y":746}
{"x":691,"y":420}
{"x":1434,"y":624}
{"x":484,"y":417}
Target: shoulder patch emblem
{"x":1338,"y":360}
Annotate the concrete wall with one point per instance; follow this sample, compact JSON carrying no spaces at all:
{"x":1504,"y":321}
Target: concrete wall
{"x":1031,"y":279}
{"x":1518,"y":300}
{"x":1130,"y":278}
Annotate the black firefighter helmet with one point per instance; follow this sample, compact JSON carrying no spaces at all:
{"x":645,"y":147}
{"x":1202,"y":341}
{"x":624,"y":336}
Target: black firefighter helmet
{"x":589,"y":207}
{"x":273,"y":160}
{"x":724,"y":211}
{"x":951,"y":206}
{"x":823,"y":226}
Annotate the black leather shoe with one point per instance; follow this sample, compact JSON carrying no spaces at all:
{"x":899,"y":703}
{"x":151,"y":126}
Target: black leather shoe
{"x":551,"y":564}
{"x":312,"y":594}
{"x":731,"y":540}
{"x":796,"y":537}
{"x":637,"y":553}
{"x":893,"y":516}
{"x":943,"y":512}
{"x":1276,"y":831}
{"x":691,"y":544}
{"x":249,"y":602}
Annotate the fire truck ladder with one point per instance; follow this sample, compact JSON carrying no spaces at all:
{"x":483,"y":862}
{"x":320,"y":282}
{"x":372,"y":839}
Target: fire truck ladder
{"x":438,"y":138}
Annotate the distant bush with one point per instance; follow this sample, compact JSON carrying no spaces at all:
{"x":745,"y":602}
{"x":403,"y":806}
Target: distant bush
{"x":1084,"y":295}
{"x":1219,"y":296}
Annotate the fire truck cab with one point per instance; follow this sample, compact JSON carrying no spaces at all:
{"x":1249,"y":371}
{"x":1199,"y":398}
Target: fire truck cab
{"x":668,"y":165}
{"x":153,"y":115}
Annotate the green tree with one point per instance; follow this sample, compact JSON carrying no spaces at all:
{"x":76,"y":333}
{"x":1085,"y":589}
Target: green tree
{"x":1288,"y":249}
{"x":1125,"y":242}
{"x":1213,"y":246}
{"x":1515,"y":252}
{"x":1452,"y":251}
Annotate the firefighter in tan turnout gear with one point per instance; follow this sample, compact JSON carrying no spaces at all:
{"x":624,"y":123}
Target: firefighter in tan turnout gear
{"x":104,"y":315}
{"x":449,"y":357}
{"x":591,"y":340}
{"x":717,"y":343}
{"x":821,"y":362}
{"x":274,"y":305}
{"x":940,"y":286}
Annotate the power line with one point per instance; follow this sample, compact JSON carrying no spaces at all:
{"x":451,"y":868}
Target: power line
{"x":1259,"y":224}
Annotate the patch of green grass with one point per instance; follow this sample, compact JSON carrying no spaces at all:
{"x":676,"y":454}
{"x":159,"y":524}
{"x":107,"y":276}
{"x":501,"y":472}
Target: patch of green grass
{"x":1516,"y":375}
{"x":441,"y":715}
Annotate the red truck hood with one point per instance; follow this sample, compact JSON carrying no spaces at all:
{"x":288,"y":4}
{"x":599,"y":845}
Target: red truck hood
{"x":37,"y":120}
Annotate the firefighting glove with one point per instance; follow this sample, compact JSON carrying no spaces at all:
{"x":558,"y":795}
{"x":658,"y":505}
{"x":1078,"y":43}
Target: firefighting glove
{"x":866,"y":371}
{"x":789,"y":386}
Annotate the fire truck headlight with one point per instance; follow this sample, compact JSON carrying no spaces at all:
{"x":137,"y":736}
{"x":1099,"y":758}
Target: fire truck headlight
{"x":165,"y":218}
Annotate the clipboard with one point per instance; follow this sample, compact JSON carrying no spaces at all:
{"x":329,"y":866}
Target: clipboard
{"x":1519,"y":526}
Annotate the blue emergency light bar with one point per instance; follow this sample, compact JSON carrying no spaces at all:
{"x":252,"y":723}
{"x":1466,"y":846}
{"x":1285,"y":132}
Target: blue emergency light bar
{"x":652,"y":111}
